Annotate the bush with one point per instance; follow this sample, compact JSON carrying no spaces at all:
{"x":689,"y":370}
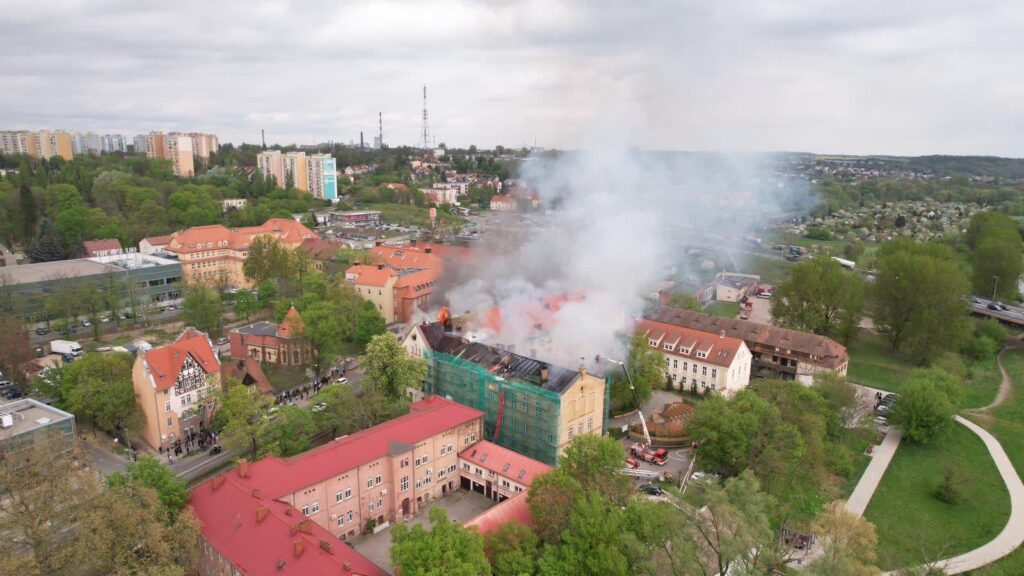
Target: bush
{"x":839,"y":459}
{"x":991,"y":328}
{"x":818,"y":233}
{"x":979,"y":347}
{"x":950,"y":490}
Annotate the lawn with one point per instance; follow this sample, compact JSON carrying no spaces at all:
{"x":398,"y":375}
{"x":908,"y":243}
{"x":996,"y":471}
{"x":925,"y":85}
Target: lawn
{"x":857,"y":441}
{"x":873,"y":364}
{"x":913,"y":525}
{"x":723,"y":309}
{"x":982,"y":384}
{"x":771,"y":270}
{"x":1006,"y":423}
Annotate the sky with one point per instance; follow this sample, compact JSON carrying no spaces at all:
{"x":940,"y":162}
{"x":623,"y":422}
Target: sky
{"x":868,"y":77}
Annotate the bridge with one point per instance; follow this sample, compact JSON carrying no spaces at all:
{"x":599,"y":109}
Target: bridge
{"x":1013,"y":317}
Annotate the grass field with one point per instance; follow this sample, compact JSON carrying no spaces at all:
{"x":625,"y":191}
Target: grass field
{"x":1006,"y":423}
{"x":873,"y":364}
{"x":723,"y":309}
{"x":406,"y":215}
{"x":913,"y":525}
{"x":982,"y":384}
{"x":771,"y":270}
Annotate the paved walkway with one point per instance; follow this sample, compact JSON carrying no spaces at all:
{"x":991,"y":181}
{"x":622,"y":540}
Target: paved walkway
{"x":868,"y":483}
{"x":1012,"y":535}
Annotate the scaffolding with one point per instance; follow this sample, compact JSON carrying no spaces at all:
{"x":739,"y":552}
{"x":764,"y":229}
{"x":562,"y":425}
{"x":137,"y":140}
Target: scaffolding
{"x":528,"y":414}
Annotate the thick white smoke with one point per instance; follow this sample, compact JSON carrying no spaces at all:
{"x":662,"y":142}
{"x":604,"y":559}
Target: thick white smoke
{"x":617,"y":221}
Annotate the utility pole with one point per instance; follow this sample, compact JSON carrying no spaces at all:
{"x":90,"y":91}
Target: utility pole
{"x":425,"y":130}
{"x":996,"y":277}
{"x":380,"y":128}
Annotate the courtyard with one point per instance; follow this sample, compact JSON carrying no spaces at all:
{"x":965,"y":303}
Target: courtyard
{"x":461,"y":506}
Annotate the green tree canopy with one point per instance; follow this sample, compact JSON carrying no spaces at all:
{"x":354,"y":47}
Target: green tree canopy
{"x":244,"y":414}
{"x":152,"y":474}
{"x":996,"y":260}
{"x":203,"y":309}
{"x":447,"y":549}
{"x":390,"y":369}
{"x":820,"y":297}
{"x":98,"y":388}
{"x":512,"y":550}
{"x":927,"y":404}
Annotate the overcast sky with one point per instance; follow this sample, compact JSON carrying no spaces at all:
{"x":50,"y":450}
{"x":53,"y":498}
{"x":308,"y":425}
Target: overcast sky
{"x":868,"y":76}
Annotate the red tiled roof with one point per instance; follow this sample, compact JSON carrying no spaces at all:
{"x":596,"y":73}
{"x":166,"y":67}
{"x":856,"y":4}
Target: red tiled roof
{"x":407,"y":256}
{"x":198,"y":238}
{"x":292,"y":324}
{"x":320,"y":249}
{"x":720,"y":350}
{"x":243,"y":367}
{"x":92,"y":247}
{"x":158,"y":240}
{"x":165,"y":362}
{"x":515,"y":509}
{"x":258,"y":535}
{"x":489,"y":456}
{"x":370,"y":275}
{"x":276,"y":477}
{"x":500,"y":199}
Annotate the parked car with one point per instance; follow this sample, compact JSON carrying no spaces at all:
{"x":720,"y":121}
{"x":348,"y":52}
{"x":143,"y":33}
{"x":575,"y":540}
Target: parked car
{"x":651,"y":489}
{"x":222,"y":341}
{"x":42,"y":331}
{"x":320,"y":407}
{"x":994,"y":306}
{"x":701,"y":475}
{"x":86,"y":323}
{"x":1003,"y":307}
{"x":975,"y":300}
{"x":341,"y":380}
{"x":13,"y":393}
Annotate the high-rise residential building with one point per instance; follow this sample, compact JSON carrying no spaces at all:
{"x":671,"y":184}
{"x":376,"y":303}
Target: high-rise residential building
{"x":140,"y":143}
{"x":204,"y":144}
{"x":178,"y":149}
{"x":323,"y":176}
{"x":54,"y":143}
{"x":271,"y":164}
{"x":112,"y":143}
{"x":295,"y":167}
{"x":18,"y":142}
{"x":86,"y":143}
{"x":155,"y":147}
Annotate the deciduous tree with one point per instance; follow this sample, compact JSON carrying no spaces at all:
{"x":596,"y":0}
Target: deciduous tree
{"x":390,"y":369}
{"x":15,"y":350}
{"x":244,"y":414}
{"x":847,"y":541}
{"x":447,"y":549}
{"x":202,"y":309}
{"x":552,"y":498}
{"x":512,"y":550}
{"x":927,"y":404}
{"x":820,"y":297}
{"x":152,"y":474}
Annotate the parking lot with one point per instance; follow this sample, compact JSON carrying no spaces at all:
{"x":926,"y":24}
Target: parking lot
{"x":461,"y":506}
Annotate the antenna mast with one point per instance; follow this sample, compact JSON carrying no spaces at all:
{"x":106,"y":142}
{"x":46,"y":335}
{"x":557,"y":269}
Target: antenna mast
{"x":380,"y":134}
{"x":425,"y":131}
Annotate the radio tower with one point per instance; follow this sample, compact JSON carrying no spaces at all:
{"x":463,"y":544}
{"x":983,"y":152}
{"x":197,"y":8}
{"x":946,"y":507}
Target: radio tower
{"x":425,"y":131}
{"x":380,"y":128}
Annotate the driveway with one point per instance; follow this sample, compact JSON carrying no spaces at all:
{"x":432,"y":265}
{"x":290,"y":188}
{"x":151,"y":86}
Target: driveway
{"x":461,"y":506}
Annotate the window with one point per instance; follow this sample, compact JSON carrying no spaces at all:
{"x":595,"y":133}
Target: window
{"x":341,"y":521}
{"x":369,"y":482}
{"x":167,"y":407}
{"x":377,"y":480}
{"x":465,"y":466}
{"x":714,"y":372}
{"x":704,"y":371}
{"x":305,"y":510}
{"x":316,"y":507}
{"x":694,"y":367}
{"x":579,"y":429}
{"x":505,"y":468}
{"x":169,"y":423}
{"x":405,"y":484}
{"x":373,"y":505}
{"x":339,"y":496}
{"x":686,"y":366}
{"x":684,"y":379}
{"x":675,"y":363}
{"x":472,"y":437}
{"x":590,"y":424}
{"x":348,"y":493}
{"x":348,"y":517}
{"x":418,"y":462}
{"x":425,"y":458}
{"x":570,"y":433}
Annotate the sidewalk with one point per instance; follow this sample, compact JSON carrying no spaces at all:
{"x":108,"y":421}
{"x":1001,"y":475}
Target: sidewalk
{"x":880,"y":459}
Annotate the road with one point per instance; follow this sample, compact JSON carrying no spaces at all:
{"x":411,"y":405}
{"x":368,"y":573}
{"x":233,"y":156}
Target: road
{"x":9,"y":258}
{"x":1015,"y":314}
{"x":102,"y":460}
{"x":107,"y":327}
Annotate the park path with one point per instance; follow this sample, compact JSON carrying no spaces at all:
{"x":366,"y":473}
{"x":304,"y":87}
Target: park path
{"x":1012,"y":535}
{"x":868,"y":483}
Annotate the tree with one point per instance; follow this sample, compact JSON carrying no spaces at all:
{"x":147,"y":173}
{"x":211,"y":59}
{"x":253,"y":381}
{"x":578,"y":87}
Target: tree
{"x":244,"y":413}
{"x":390,"y":369}
{"x":512,"y":550}
{"x":840,"y":394}
{"x":927,"y":404}
{"x":919,"y":298}
{"x":591,"y":543}
{"x":289,"y":431}
{"x":853,"y":250}
{"x":820,"y":297}
{"x":245,"y":304}
{"x":645,"y":367}
{"x":847,"y":541}
{"x":685,"y":300}
{"x":99,"y":388}
{"x":15,"y":350}
{"x":996,"y":260}
{"x":151,"y":473}
{"x":27,"y":203}
{"x":309,"y":220}
{"x":596,"y":463}
{"x":552,"y":498}
{"x":47,"y":246}
{"x":268,"y":259}
{"x":448,"y":548}
{"x":369,"y":323}
{"x":202,"y":309}
{"x":347,"y":410}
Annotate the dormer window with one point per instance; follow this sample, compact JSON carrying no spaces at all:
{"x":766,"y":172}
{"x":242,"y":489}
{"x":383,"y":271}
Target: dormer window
{"x":701,"y":354}
{"x":653,"y":343}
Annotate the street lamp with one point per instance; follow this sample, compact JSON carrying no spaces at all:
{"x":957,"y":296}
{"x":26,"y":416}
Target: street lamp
{"x":996,"y":285}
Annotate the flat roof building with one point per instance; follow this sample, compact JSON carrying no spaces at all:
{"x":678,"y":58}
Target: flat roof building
{"x":26,"y":423}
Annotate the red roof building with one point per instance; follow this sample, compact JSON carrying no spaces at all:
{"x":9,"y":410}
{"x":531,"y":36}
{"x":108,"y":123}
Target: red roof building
{"x":399,"y":279}
{"x":174,"y":386}
{"x":272,"y":343}
{"x":697,"y":360}
{"x":106,"y":247}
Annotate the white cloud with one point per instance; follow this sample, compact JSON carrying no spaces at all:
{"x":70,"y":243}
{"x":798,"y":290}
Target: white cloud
{"x":913,"y":77}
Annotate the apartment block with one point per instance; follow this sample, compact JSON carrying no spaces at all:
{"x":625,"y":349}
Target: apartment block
{"x":113,"y":143}
{"x":155,"y":145}
{"x":295,"y":167}
{"x":203,"y":145}
{"x":271,"y":164}
{"x":400,"y":281}
{"x":323,"y":177}
{"x":83,"y":143}
{"x":178,"y":149}
{"x":140,"y":144}
{"x":56,"y":143}
{"x":175,"y":386}
{"x":19,"y":142}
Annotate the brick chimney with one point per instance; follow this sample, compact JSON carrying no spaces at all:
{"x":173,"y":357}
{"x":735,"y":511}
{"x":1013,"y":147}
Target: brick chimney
{"x":217,"y":482}
{"x":380,"y":266}
{"x":721,"y":334}
{"x":306,"y":526}
{"x":326,"y":546}
{"x":298,"y":546}
{"x":243,"y":468}
{"x":261,"y":513}
{"x":256,"y":493}
{"x":428,"y":250}
{"x":412,"y":242}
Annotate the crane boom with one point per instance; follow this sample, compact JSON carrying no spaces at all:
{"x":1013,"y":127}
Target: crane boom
{"x":636,"y":401}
